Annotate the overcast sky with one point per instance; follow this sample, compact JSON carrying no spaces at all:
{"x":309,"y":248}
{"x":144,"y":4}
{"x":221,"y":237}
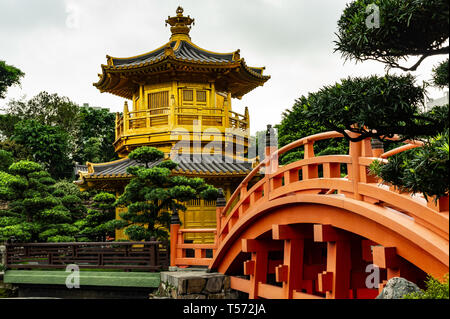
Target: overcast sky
{"x":60,"y":45}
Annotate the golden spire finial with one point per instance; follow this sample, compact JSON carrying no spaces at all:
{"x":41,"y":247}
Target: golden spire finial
{"x":180,"y":25}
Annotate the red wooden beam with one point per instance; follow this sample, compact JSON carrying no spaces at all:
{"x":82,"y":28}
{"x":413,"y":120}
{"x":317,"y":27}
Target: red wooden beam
{"x":249,"y":267}
{"x":366,"y":246}
{"x":254,"y":245}
{"x":325,"y":281}
{"x":260,"y":259}
{"x":280,"y":232}
{"x":281,"y":273}
{"x":339,"y":263}
{"x":327,"y":233}
{"x":385,"y":257}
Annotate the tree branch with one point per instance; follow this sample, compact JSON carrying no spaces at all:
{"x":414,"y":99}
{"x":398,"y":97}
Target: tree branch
{"x":425,"y":54}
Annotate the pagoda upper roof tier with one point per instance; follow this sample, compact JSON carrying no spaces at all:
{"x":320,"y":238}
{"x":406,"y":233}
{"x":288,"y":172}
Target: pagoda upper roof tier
{"x":180,"y":60}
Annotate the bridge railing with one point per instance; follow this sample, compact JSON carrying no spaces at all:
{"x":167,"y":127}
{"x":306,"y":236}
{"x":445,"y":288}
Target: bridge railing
{"x":318,"y":175}
{"x":322,"y":175}
{"x":149,"y":256}
{"x":191,"y":254}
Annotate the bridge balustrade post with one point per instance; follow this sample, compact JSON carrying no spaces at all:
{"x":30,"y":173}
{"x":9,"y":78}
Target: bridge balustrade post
{"x":220,"y":205}
{"x":335,"y":281}
{"x":257,"y":267}
{"x":355,"y":152}
{"x":387,"y":258}
{"x":271,"y":147}
{"x":367,"y":151}
{"x":175,"y":224}
{"x":311,"y":170}
{"x":290,"y":273}
{"x":440,"y":205}
{"x":377,"y":147}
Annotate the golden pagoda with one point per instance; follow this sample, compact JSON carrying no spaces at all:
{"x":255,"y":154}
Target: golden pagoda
{"x":181,"y":104}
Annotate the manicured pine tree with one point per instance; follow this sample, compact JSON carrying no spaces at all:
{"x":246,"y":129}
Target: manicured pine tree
{"x":382,"y":106}
{"x":99,"y":222}
{"x":154,"y":192}
{"x":33,"y":214}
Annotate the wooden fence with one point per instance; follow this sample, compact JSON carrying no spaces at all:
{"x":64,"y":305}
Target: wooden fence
{"x":147,"y":256}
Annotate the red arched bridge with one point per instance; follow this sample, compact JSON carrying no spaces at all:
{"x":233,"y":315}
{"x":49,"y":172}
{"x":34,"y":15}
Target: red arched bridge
{"x":304,"y":231}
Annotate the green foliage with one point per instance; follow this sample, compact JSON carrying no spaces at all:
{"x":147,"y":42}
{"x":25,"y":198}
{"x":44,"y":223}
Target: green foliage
{"x":47,"y":109}
{"x":8,"y":184}
{"x":420,"y":170}
{"x":97,"y":224}
{"x":59,"y":233}
{"x":92,"y":150}
{"x":153,"y":192}
{"x":434,"y":290}
{"x":295,"y":125}
{"x":90,"y":132}
{"x":6,"y":159}
{"x":33,"y":213}
{"x":7,"y":123}
{"x":23,"y":232}
{"x":25,"y":167}
{"x":48,"y":144}
{"x":146,"y":155}
{"x":9,"y":76}
{"x":440,"y":75}
{"x":373,"y":107}
{"x":18,"y":151}
{"x":407,"y":28}
{"x":66,"y":187}
{"x":61,"y":239}
{"x":96,"y":136}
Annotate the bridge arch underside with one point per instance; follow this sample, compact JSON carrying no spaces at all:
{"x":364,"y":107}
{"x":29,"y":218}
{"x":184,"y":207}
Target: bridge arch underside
{"x":417,"y":251}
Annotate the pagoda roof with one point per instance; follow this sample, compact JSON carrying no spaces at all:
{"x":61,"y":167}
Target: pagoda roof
{"x":182,"y":50}
{"x":207,"y":166}
{"x":180,"y":59}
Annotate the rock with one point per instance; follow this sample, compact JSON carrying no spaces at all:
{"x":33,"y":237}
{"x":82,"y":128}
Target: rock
{"x":192,"y":296}
{"x":195,"y":285}
{"x":216,"y":296}
{"x":214,"y":284}
{"x":226,"y":284}
{"x":397,"y":287}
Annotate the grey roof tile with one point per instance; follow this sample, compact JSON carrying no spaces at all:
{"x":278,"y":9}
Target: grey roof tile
{"x":184,"y":51}
{"x":206,"y":165}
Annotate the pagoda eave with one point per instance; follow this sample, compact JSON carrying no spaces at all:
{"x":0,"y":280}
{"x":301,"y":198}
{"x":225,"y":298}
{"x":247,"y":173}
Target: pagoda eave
{"x":121,"y":81}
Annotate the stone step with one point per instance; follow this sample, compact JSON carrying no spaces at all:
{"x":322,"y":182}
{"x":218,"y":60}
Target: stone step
{"x":191,"y":283}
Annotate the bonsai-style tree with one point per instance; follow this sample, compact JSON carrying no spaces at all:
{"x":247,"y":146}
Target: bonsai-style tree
{"x":380,"y":107}
{"x":98,"y":224}
{"x":6,"y":159}
{"x":154,"y":192}
{"x":374,"y":106}
{"x":33,"y":213}
{"x":294,"y":125}
{"x":440,"y":75}
{"x":389,"y":31}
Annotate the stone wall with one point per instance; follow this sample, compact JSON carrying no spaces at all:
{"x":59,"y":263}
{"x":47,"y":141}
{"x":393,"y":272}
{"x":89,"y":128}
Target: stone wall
{"x":195,"y":285}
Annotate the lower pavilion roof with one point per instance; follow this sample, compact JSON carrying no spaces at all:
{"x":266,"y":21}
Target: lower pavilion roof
{"x":189,"y":166}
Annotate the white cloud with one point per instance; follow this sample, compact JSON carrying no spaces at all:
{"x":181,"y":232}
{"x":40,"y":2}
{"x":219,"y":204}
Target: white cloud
{"x":60,"y":45}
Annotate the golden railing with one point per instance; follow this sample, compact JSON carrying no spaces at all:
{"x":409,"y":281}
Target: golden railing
{"x":135,"y":121}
